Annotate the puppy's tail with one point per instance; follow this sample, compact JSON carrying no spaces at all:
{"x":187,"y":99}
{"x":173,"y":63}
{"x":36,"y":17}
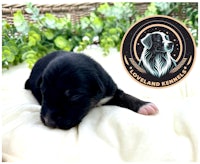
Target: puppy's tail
{"x":125,"y":100}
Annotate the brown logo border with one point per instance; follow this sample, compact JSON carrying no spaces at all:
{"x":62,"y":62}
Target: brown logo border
{"x":185,"y":58}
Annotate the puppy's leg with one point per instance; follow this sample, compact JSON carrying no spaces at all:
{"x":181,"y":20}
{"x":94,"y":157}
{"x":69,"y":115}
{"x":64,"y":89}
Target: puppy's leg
{"x":127,"y":101}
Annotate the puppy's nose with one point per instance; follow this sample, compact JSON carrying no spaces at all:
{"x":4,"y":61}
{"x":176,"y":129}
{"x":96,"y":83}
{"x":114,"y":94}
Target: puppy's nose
{"x":49,"y":122}
{"x":169,"y":46}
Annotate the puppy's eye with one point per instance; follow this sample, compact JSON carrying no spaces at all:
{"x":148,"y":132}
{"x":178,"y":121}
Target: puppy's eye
{"x":72,"y":97}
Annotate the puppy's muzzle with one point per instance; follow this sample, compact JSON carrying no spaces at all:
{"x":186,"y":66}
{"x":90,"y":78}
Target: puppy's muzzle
{"x":168,"y":46}
{"x":48,"y":122}
{"x":47,"y":119}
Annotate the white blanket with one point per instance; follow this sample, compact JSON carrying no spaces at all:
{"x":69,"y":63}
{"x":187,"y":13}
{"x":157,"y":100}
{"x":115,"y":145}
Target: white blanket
{"x":108,"y":133}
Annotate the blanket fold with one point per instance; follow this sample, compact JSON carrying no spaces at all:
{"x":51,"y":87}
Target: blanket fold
{"x":107,"y":133}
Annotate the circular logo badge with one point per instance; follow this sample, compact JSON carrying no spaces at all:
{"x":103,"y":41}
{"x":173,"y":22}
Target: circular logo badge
{"x":158,"y":51}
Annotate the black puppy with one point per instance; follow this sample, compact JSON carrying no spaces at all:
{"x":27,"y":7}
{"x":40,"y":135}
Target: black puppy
{"x":68,"y":85}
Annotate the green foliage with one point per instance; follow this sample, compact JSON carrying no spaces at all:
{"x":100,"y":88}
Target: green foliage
{"x":109,"y":23}
{"x":20,"y":23}
{"x":151,"y":10}
{"x":191,"y":21}
{"x":30,"y":40}
{"x":166,"y":8}
{"x":27,"y":41}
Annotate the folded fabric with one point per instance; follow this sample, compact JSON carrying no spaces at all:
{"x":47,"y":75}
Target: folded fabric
{"x":107,"y":133}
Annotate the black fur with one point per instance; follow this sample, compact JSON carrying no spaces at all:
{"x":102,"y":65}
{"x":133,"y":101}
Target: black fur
{"x":68,"y":85}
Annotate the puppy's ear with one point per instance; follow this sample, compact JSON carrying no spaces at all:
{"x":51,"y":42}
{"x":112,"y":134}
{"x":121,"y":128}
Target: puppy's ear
{"x":147,"y":41}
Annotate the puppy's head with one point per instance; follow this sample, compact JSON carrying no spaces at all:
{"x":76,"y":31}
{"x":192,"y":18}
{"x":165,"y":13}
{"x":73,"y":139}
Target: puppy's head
{"x":62,"y":108}
{"x":64,"y":103}
{"x":157,"y":42}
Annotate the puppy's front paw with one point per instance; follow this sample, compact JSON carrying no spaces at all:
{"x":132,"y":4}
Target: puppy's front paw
{"x":148,"y":109}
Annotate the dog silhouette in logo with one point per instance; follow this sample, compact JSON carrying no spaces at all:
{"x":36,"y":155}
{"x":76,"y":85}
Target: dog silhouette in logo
{"x":156,"y":55}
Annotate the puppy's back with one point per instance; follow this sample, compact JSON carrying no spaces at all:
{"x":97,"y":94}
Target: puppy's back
{"x":81,"y":69}
{"x":33,"y":82}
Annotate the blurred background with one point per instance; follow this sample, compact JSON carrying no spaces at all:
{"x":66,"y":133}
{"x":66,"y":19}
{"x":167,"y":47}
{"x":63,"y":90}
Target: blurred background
{"x":30,"y":31}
